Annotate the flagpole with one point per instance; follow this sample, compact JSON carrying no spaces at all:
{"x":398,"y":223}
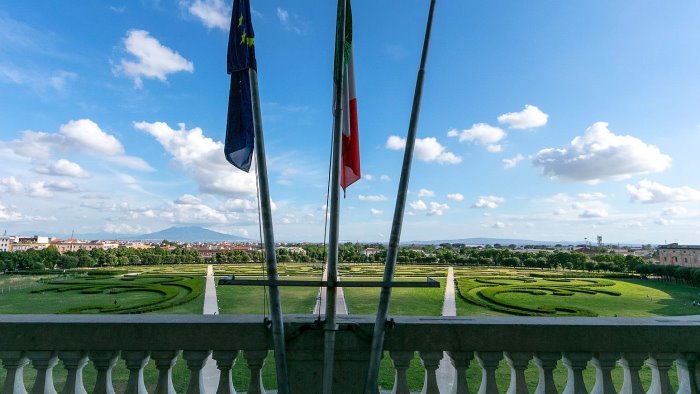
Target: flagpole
{"x":269,"y":241}
{"x":371,"y":383}
{"x":332,"y":268}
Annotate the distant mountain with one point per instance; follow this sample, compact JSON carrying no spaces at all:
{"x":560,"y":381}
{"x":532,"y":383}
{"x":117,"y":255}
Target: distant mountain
{"x":492,"y":241}
{"x":178,"y":234}
{"x":187,"y":234}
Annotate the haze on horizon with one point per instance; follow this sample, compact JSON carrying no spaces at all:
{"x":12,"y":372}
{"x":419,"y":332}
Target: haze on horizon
{"x":547,"y":121}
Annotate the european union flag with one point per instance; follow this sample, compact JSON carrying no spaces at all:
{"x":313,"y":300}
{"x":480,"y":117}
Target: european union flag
{"x":240,"y":139}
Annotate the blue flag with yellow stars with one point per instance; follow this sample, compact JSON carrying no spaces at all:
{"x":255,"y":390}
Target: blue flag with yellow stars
{"x":240,"y":139}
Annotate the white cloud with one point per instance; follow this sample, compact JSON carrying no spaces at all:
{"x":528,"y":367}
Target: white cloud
{"x":499,"y":225}
{"x":591,"y":196}
{"x":437,"y":209}
{"x":291,"y":22}
{"x":124,"y":228}
{"x":63,"y":167}
{"x":153,"y":60}
{"x":511,"y":163}
{"x":12,"y":185}
{"x":82,"y":136}
{"x":601,"y":155}
{"x":385,"y":178}
{"x":8,"y":215}
{"x":418,"y":205}
{"x":368,"y":177}
{"x":591,"y":213}
{"x":375,"y":211}
{"x":212,"y":13}
{"x":528,"y":118}
{"x":674,"y":211}
{"x":483,"y":134}
{"x":187,"y":199}
{"x":649,"y":192}
{"x":490,"y":202}
{"x":426,"y":149}
{"x":455,"y":197}
{"x":425,"y":193}
{"x":559,"y":212}
{"x":372,"y":198}
{"x":202,"y":158}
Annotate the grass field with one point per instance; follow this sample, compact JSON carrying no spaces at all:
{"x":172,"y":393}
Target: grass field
{"x":508,"y":290}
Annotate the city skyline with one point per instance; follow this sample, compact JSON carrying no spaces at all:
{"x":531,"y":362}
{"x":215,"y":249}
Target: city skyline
{"x":540,"y":121}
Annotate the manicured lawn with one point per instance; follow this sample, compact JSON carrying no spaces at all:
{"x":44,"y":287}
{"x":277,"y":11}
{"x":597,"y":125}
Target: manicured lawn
{"x":404,"y":301}
{"x":242,"y":300}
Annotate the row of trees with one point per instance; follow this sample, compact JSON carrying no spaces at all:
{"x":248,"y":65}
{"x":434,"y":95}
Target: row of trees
{"x":672,"y":273}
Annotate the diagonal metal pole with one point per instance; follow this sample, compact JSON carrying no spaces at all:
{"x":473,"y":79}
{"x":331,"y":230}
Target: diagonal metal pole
{"x":390,"y":265}
{"x":332,"y":268}
{"x":269,"y":240}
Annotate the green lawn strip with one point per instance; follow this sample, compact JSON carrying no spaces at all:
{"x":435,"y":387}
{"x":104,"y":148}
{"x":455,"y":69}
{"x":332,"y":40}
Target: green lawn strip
{"x":242,"y":300}
{"x":404,"y":301}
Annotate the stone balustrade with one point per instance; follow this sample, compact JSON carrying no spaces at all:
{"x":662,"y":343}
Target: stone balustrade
{"x":580,"y":343}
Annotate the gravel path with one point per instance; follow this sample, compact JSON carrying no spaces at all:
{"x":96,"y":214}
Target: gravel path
{"x":446,"y":372}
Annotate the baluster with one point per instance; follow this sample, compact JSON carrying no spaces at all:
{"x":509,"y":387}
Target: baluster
{"x":431,"y":362}
{"x":660,"y":363}
{"x":461,"y":361}
{"x":74,"y":362}
{"x":631,"y":364}
{"x":575,"y":363}
{"x":255,"y":360}
{"x":687,"y":364}
{"x":43,"y":362}
{"x":135,"y":361}
{"x":489,"y":362}
{"x":195,"y":362}
{"x":604,"y":364}
{"x":401,"y":361}
{"x":546,"y":362}
{"x":225,"y":360}
{"x":14,"y":363}
{"x":104,"y":361}
{"x":517,"y":362}
{"x":165,"y":361}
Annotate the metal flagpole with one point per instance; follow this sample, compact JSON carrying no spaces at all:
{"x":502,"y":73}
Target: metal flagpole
{"x":332,"y":268}
{"x":392,"y":252}
{"x":269,"y":240}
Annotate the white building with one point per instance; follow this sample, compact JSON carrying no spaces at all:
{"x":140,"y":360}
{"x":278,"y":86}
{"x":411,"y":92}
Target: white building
{"x":5,"y":243}
{"x":683,"y":255}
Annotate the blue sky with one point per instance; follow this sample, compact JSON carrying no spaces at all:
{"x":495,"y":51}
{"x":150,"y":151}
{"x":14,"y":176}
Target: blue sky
{"x":545,"y":121}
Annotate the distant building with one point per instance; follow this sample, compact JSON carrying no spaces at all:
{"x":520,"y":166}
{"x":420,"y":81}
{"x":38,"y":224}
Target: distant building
{"x":371,"y":251}
{"x":22,"y":244}
{"x":683,"y":255}
{"x":6,"y":243}
{"x":293,"y":249}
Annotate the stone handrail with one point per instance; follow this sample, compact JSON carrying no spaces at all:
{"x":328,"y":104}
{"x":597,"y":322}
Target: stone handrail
{"x":77,"y":339}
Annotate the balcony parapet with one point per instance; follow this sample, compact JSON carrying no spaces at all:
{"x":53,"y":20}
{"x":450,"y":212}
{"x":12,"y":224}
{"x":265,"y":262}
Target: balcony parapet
{"x":76,"y":340}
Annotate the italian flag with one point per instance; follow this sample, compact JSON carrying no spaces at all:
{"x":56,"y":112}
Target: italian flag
{"x":350,"y":157}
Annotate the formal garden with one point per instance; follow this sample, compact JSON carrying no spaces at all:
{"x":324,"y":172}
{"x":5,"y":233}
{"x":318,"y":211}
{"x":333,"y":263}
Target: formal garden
{"x":485,"y":291}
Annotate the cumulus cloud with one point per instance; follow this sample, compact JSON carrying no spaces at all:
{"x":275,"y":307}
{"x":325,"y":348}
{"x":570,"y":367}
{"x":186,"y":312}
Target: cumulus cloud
{"x":649,"y":192}
{"x":559,"y":212}
{"x":385,"y":178}
{"x":38,"y":188}
{"x":426,"y":149}
{"x":63,"y":167}
{"x":455,"y":197}
{"x":12,"y":185}
{"x":437,"y":209}
{"x":214,"y":14}
{"x":528,"y":118}
{"x":372,"y":198}
{"x":368,"y":177}
{"x":153,"y":60}
{"x":499,"y":225}
{"x":425,"y":193}
{"x":591,"y":196}
{"x":489,"y":202}
{"x":418,"y":205}
{"x":674,"y":211}
{"x":482,"y":134}
{"x":601,"y":155}
{"x":511,"y":163}
{"x":8,"y":215}
{"x":202,"y":158}
{"x":375,"y":211}
{"x":592,"y":213}
{"x":76,"y":136}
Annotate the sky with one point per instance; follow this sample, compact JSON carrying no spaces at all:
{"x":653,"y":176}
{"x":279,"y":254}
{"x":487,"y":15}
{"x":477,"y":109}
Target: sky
{"x":540,"y":120}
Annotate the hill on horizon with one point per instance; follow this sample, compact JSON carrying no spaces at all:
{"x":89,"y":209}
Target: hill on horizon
{"x":187,"y":234}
